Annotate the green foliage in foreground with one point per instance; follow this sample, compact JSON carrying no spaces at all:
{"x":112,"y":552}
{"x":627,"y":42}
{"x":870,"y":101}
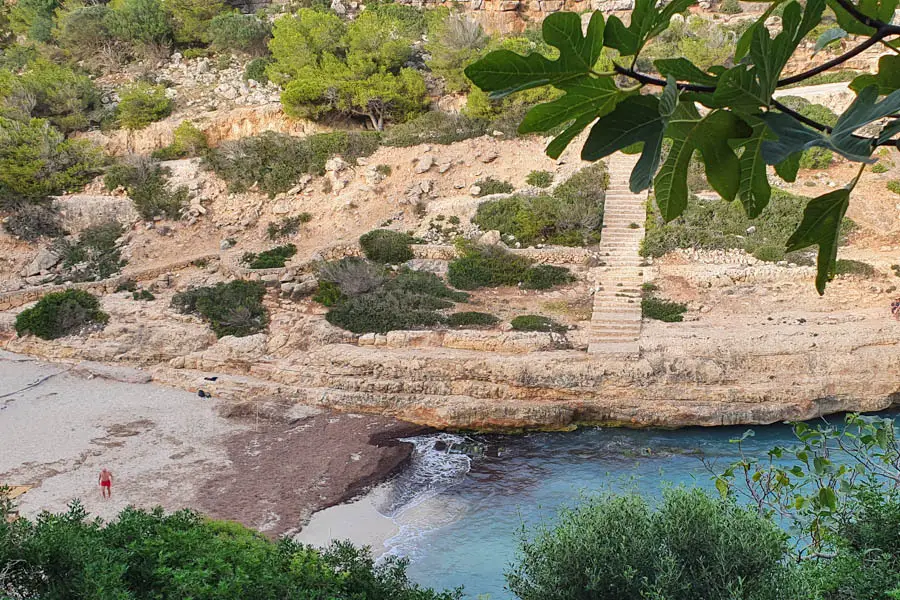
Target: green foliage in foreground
{"x":57,"y":315}
{"x":275,"y":162}
{"x":230,"y":308}
{"x":144,"y":555}
{"x":745,"y":130}
{"x":493,"y":266}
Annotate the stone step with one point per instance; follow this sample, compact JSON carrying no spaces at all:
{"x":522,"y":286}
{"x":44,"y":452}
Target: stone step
{"x":620,"y":348}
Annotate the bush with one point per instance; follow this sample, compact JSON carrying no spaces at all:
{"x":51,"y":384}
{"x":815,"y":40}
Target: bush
{"x":146,"y":182}
{"x":386,"y":246}
{"x":543,"y":277}
{"x":95,"y":256}
{"x":187,"y":141}
{"x":328,"y":294}
{"x":471,"y":319}
{"x":387,"y":310}
{"x":816,"y":158}
{"x":384,"y":170}
{"x":435,"y":128}
{"x":60,"y":314}
{"x":424,"y":282}
{"x":141,"y":104}
{"x":275,"y":161}
{"x":32,"y":221}
{"x":352,"y":276}
{"x":144,"y":24}
{"x":492,"y":266}
{"x":662,"y":310}
{"x":287,"y":226}
{"x":893,"y":186}
{"x":34,"y":18}
{"x":191,"y":19}
{"x":230,"y":308}
{"x":692,"y":546}
{"x":881,"y":167}
{"x":489,"y":186}
{"x":537,"y":323}
{"x":83,"y":34}
{"x":585,"y":185}
{"x":270,"y":259}
{"x":769,"y":253}
{"x":143,"y":295}
{"x":256,"y":70}
{"x":37,"y":161}
{"x":236,"y":32}
{"x":854,"y":267}
{"x":46,"y":90}
{"x":454,"y":42}
{"x":730,"y":7}
{"x":540,"y":179}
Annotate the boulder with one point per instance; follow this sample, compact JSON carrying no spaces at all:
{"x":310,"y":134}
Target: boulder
{"x":425,"y":162}
{"x":44,"y":260}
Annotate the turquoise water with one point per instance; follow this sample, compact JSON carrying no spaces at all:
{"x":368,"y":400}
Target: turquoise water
{"x":460,"y":518}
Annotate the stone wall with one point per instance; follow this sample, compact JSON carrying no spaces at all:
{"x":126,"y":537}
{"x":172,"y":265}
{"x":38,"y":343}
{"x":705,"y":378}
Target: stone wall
{"x":82,"y":211}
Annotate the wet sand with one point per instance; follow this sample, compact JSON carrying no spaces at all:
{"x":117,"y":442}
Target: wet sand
{"x":61,"y":423}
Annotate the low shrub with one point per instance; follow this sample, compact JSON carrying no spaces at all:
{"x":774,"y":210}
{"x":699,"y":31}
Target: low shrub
{"x":188,"y":141}
{"x":275,"y":162}
{"x":328,"y":294}
{"x":730,"y":7}
{"x":129,"y":285}
{"x":489,"y":186}
{"x":846,"y":266}
{"x":435,"y":127}
{"x":662,"y":310}
{"x":143,"y":295}
{"x":492,"y":266}
{"x":235,"y":31}
{"x":816,"y":158}
{"x":287,"y":226}
{"x":60,"y":314}
{"x":146,"y":182}
{"x":230,"y":308}
{"x":33,"y":221}
{"x":543,"y":277}
{"x":537,"y":323}
{"x":270,"y":259}
{"x":141,"y":104}
{"x":387,"y":310}
{"x":95,"y":256}
{"x":256,"y":70}
{"x":881,"y":167}
{"x":351,"y":276}
{"x":384,"y":170}
{"x":585,"y":185}
{"x":386,"y":246}
{"x":769,"y":253}
{"x":894,"y":186}
{"x":471,"y":319}
{"x":540,"y":179}
{"x":424,"y":282}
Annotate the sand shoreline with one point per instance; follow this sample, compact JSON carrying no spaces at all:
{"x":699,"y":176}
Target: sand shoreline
{"x":61,"y":422}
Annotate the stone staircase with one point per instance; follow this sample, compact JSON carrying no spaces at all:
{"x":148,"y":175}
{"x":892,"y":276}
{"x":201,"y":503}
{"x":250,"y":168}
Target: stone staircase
{"x":616,"y":318}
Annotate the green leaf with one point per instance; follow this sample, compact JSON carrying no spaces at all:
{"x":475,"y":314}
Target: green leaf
{"x":828,"y":498}
{"x":636,"y":119}
{"x":887,"y":78}
{"x":503,"y":72}
{"x":647,"y":21}
{"x":722,"y":486}
{"x":832,"y":35}
{"x":684,"y":70}
{"x":787,"y":169}
{"x":739,"y":89}
{"x":709,"y":135}
{"x":754,"y":191}
{"x":882,"y":10}
{"x":821,"y":226}
{"x":743,"y":43}
{"x":820,"y":463}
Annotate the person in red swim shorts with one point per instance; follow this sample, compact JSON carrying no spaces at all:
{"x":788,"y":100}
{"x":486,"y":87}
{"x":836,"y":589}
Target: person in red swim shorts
{"x":105,"y":480}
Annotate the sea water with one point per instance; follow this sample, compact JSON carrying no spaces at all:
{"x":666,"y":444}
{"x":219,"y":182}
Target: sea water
{"x":460,"y":517}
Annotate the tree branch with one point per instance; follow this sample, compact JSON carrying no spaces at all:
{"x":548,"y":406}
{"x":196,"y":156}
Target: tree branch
{"x":878,"y":37}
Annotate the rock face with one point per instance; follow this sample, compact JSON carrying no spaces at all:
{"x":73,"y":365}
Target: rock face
{"x":77,"y":212}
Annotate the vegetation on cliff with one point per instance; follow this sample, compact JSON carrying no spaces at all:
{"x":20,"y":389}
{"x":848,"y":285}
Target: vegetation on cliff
{"x":492,"y":266}
{"x":60,"y":314}
{"x":234,"y":308}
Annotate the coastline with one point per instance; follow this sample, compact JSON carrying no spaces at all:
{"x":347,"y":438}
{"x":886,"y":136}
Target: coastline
{"x":61,"y":422}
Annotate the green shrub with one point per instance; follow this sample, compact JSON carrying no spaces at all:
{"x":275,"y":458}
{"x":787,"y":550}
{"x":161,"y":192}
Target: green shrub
{"x":32,"y":221}
{"x":287,"y":226}
{"x":730,"y":7}
{"x":256,"y":70}
{"x":83,"y":34}
{"x":328,"y":294}
{"x":882,"y":167}
{"x":424,"y":282}
{"x":894,"y":186}
{"x":386,"y":246}
{"x":33,"y":18}
{"x":489,"y":186}
{"x":37,"y":161}
{"x":384,"y":170}
{"x":543,"y":277}
{"x":191,"y":19}
{"x":387,"y":310}
{"x":275,"y":161}
{"x":540,"y":179}
{"x":236,"y":32}
{"x":187,"y":141}
{"x":537,"y":323}
{"x":769,"y":253}
{"x":270,"y":259}
{"x":435,"y":127}
{"x":854,"y":267}
{"x":662,"y":310}
{"x":129,"y":285}
{"x":454,"y":41}
{"x":587,"y":184}
{"x":95,"y":256}
{"x":816,"y":158}
{"x":143,"y":295}
{"x":492,"y":266}
{"x":60,"y":314}
{"x":234,"y":308}
{"x":471,"y":319}
{"x":141,"y":104}
{"x":146,"y":182}
{"x":43,"y":89}
{"x":144,"y":24}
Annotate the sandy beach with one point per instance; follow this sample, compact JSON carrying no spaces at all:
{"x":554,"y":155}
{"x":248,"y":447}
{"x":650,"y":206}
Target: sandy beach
{"x":61,"y":423}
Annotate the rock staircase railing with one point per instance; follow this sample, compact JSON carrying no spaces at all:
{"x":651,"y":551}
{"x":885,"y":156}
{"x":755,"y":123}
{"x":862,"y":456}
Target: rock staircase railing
{"x":616,"y":318}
